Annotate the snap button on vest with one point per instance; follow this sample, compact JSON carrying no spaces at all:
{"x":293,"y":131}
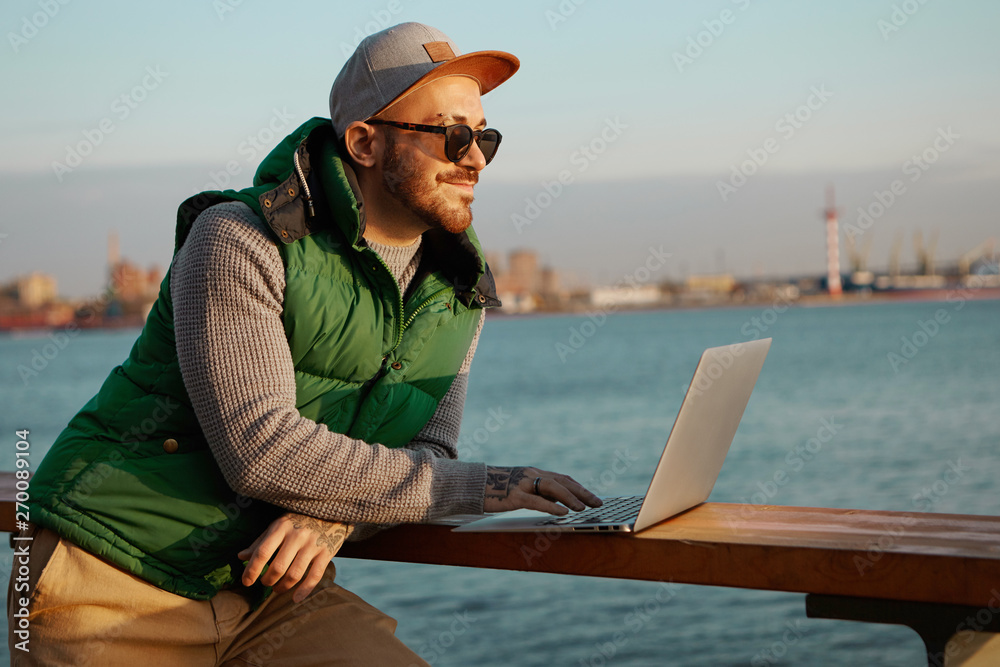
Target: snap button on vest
{"x":396,"y":365}
{"x":170,"y":445}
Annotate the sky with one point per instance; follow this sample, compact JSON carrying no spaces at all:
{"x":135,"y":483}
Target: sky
{"x":708,"y":131}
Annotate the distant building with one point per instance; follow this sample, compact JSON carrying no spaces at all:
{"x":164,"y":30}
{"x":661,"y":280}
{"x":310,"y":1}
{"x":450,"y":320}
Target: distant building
{"x":132,"y":283}
{"x":610,"y":297}
{"x":551,"y":285}
{"x":722,"y":283}
{"x":134,"y":288}
{"x":33,"y":290}
{"x":708,"y":289}
{"x":495,"y":261}
{"x":30,"y":301}
{"x":523,"y":275}
{"x":520,"y":283}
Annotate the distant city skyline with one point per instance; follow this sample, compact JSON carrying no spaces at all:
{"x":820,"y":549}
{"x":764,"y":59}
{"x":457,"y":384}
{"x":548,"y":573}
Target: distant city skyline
{"x":709,"y":128}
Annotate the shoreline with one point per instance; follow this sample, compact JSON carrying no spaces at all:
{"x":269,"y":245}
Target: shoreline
{"x":810,"y":301}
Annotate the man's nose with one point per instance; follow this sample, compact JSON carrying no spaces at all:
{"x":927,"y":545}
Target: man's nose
{"x":474,"y":159}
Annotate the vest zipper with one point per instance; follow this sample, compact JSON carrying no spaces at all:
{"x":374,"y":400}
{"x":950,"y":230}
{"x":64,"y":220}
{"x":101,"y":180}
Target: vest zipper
{"x":303,"y":184}
{"x":401,"y":327}
{"x":399,"y":304}
{"x":409,"y":320}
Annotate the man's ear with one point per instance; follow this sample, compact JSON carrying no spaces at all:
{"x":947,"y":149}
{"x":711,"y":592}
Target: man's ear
{"x":360,"y":141}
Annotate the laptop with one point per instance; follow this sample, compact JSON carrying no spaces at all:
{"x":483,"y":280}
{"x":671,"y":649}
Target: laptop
{"x":691,"y":460}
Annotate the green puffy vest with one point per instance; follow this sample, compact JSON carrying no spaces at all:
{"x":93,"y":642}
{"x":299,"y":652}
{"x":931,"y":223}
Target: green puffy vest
{"x":131,"y":478}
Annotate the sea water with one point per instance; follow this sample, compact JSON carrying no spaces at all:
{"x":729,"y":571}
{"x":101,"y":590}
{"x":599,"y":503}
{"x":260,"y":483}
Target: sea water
{"x":883,"y":406}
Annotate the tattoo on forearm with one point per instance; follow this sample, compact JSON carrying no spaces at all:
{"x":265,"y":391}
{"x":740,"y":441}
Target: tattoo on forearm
{"x":501,"y":481}
{"x":328,"y":534}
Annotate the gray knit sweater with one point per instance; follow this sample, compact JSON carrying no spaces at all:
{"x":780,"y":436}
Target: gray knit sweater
{"x":227,"y":285}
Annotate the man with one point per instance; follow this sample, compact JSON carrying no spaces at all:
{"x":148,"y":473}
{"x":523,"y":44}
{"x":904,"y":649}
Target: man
{"x":300,"y":379}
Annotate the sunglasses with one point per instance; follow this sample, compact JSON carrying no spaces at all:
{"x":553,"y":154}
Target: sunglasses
{"x":457,"y":138}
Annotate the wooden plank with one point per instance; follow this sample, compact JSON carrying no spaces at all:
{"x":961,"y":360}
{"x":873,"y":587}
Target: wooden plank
{"x":826,"y":528}
{"x":888,"y":555}
{"x":940,"y":558}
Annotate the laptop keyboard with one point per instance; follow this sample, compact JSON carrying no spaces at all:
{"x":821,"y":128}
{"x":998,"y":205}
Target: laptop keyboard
{"x":614,"y":510}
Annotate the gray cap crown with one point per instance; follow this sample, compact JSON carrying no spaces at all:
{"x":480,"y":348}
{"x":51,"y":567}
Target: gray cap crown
{"x":392,"y":63}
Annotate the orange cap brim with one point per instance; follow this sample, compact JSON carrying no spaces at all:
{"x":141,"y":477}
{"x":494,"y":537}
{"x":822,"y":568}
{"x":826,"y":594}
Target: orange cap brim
{"x":489,"y":68}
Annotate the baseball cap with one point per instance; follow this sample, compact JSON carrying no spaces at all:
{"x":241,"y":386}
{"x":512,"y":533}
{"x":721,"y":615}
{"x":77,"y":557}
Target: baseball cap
{"x":391,"y":64}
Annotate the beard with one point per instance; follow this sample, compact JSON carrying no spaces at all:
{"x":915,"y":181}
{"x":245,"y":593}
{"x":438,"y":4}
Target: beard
{"x":407,"y":184}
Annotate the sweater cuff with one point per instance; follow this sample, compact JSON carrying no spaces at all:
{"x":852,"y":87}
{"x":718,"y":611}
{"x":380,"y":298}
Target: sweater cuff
{"x":459,"y":488}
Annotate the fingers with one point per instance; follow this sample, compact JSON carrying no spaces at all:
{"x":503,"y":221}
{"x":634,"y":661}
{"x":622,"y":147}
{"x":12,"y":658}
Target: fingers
{"x":554,"y":490}
{"x":287,"y":569}
{"x":566,"y":490}
{"x":316,"y":571}
{"x":580,"y":491}
{"x":310,"y":563}
{"x":259,"y":553}
{"x":510,"y":488}
{"x":299,"y":559}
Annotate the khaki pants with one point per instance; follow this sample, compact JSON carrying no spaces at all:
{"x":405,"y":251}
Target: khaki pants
{"x":84,"y":611}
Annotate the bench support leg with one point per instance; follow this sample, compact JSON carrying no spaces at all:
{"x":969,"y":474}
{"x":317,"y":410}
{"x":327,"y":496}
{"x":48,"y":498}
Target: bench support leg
{"x":935,"y":623}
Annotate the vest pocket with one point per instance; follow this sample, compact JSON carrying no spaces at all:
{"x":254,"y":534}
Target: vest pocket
{"x":175,"y":507}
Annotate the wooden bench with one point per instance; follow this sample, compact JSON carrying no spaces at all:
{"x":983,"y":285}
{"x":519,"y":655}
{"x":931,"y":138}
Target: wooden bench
{"x":931,"y":572}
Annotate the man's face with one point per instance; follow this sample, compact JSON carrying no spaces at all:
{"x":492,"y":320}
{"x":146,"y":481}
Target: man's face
{"x":415,"y":171}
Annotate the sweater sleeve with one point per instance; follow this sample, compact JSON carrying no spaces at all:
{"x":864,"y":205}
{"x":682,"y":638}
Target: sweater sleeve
{"x":227,"y":287}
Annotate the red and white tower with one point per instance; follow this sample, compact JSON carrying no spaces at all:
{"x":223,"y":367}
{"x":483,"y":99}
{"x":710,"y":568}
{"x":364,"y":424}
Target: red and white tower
{"x":832,"y":246}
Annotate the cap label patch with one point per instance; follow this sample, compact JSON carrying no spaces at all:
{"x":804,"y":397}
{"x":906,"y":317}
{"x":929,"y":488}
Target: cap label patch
{"x":439,"y":51}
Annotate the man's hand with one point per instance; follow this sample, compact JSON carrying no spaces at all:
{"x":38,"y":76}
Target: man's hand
{"x":514,"y":488}
{"x":305,"y":546}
